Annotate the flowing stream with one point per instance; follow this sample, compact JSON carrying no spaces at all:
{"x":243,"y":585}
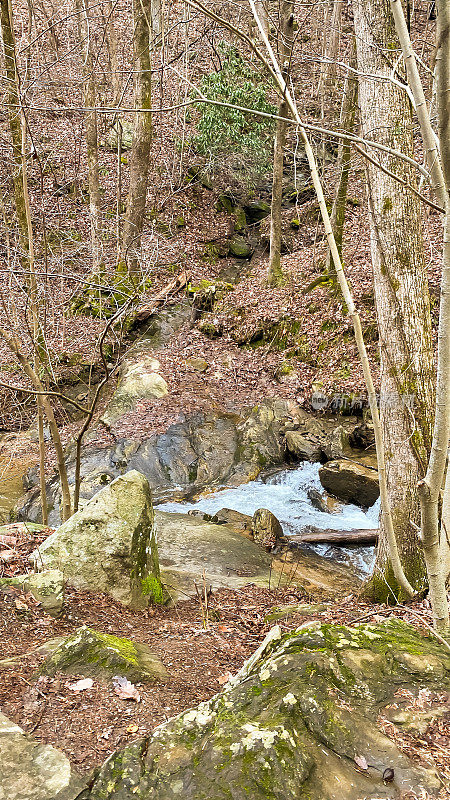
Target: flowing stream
{"x":285,"y":494}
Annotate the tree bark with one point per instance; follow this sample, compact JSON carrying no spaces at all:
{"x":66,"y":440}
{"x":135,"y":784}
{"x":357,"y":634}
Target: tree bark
{"x":14,"y":119}
{"x":142,"y":137}
{"x":285,"y":40}
{"x":401,"y":297}
{"x":348,"y":118}
{"x":90,"y":95}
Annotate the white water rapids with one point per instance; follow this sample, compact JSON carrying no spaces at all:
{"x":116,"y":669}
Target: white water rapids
{"x":285,"y":494}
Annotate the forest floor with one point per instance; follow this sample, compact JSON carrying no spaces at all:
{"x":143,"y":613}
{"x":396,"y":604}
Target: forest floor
{"x":199,"y":651}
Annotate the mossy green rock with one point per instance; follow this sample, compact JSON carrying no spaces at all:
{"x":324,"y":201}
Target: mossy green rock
{"x":240,"y":248}
{"x":110,"y":544}
{"x":91,"y":653}
{"x":289,"y":725}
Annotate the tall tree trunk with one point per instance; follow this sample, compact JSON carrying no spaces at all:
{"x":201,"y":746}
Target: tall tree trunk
{"x":285,"y":38}
{"x":142,"y":136}
{"x":348,"y":118}
{"x":156,"y":18}
{"x":111,"y":40}
{"x":14,"y":118}
{"x":401,"y":297}
{"x":435,"y":527}
{"x":90,"y":95}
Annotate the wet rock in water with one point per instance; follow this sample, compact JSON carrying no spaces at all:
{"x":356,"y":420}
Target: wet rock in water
{"x":303,"y":447}
{"x":338,"y":445}
{"x":47,"y":588}
{"x":296,"y":721}
{"x":30,"y":770}
{"x":317,"y":500}
{"x":93,"y":654}
{"x":110,"y":544}
{"x":266,"y":529}
{"x":350,"y":482}
{"x":363,"y":436}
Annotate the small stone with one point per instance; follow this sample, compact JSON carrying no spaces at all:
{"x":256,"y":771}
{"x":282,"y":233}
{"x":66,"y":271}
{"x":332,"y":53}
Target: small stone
{"x":197,"y":364}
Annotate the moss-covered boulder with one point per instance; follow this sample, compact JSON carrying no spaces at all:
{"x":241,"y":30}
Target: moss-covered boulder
{"x":239,"y":247}
{"x":101,"y":655}
{"x":110,"y":544}
{"x":296,"y":723}
{"x":350,"y":482}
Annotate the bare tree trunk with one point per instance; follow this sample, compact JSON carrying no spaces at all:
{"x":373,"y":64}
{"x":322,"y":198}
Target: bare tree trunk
{"x":142,"y":137}
{"x":90,"y":95}
{"x":434,"y":534}
{"x":286,"y":26}
{"x":111,"y":39}
{"x":14,"y":346}
{"x":401,"y":296}
{"x":156,"y":18}
{"x":13,"y":105}
{"x":328,"y":66}
{"x":348,"y":118}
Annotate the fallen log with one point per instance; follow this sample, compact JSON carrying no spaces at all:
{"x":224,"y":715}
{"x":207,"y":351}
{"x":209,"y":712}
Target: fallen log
{"x":339,"y":538}
{"x":157,"y":300}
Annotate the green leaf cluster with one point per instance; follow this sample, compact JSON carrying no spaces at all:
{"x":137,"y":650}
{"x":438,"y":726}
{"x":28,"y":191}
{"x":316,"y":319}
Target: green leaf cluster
{"x":226,"y":130}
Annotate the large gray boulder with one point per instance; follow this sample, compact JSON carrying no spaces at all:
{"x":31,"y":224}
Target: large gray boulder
{"x":298,"y":721}
{"x":208,"y":449}
{"x":33,"y":771}
{"x":350,"y":482}
{"x":139,"y":379}
{"x":192,"y":550}
{"x":110,"y":544}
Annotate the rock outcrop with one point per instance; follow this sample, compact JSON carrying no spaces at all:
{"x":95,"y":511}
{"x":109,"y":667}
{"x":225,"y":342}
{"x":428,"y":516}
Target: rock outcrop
{"x":110,"y":544}
{"x":350,"y":482}
{"x":298,"y":721}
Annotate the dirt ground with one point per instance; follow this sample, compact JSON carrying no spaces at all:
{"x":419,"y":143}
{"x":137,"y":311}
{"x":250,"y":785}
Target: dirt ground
{"x":198,"y":650}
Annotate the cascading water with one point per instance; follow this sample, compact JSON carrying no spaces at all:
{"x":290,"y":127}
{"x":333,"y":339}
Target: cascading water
{"x":286,"y":495}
